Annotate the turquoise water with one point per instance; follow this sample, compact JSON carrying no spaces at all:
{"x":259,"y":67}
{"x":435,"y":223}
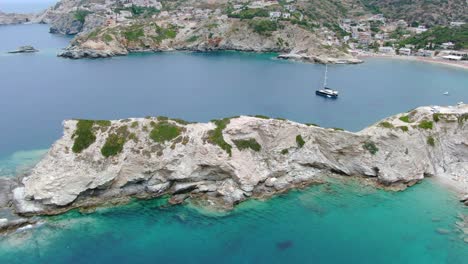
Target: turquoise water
{"x":339,"y":223}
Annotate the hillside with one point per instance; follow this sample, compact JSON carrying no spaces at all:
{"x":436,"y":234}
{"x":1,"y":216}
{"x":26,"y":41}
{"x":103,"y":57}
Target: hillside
{"x":430,"y":12}
{"x":438,"y":35}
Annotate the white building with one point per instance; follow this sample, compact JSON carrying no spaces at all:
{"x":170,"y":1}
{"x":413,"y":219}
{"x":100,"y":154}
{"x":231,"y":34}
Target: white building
{"x":290,"y":8}
{"x":404,"y":51}
{"x":457,"y":24}
{"x":447,"y":45}
{"x":426,"y":53}
{"x":286,"y":15}
{"x":387,"y":50}
{"x":275,"y":15}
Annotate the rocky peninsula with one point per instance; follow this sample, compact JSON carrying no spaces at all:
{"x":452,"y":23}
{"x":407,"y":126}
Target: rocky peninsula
{"x":116,"y":27}
{"x":224,"y":162}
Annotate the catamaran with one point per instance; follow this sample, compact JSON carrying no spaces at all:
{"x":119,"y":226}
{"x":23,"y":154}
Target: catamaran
{"x":325,"y":91}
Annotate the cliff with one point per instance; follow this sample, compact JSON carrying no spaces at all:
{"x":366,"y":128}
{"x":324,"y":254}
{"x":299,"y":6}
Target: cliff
{"x":206,"y":35}
{"x":227,"y":161}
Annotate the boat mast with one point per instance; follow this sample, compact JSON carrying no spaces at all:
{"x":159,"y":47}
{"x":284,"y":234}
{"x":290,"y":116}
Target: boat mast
{"x":325,"y":78}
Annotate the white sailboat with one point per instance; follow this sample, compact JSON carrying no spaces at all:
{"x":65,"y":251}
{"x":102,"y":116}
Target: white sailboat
{"x":325,"y":91}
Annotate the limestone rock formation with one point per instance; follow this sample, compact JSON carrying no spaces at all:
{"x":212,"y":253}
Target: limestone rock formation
{"x":230,"y":160}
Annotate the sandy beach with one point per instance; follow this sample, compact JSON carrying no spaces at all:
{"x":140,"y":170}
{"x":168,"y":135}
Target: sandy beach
{"x":458,"y":64}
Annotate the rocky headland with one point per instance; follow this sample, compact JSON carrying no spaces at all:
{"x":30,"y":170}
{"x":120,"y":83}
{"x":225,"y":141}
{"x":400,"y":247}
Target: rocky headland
{"x":227,"y":161}
{"x":114,"y":27}
{"x":13,"y":18}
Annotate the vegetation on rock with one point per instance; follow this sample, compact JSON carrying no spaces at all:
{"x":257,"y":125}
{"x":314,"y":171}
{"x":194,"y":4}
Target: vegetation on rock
{"x":216,"y":136}
{"x":425,"y":124}
{"x":371,"y":147}
{"x":164,"y":131}
{"x":386,"y":124}
{"x":83,"y":135}
{"x":431,"y":141}
{"x":263,"y":26}
{"x":405,"y":119}
{"x":300,"y":141}
{"x":251,"y":143}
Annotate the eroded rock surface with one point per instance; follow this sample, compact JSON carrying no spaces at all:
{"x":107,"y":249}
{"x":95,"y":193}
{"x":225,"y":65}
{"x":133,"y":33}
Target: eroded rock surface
{"x":233,"y":159}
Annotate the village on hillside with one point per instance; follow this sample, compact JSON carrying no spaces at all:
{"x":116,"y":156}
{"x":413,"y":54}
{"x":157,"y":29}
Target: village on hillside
{"x":367,"y":34}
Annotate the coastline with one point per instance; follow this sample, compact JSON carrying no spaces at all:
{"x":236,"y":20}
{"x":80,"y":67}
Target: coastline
{"x":460,"y":65}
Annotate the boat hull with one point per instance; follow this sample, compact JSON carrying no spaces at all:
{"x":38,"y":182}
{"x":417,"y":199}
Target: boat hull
{"x":331,"y":96}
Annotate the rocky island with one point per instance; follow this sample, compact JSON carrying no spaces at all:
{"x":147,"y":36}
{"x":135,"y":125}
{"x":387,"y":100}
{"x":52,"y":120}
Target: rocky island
{"x":24,"y":49}
{"x":227,"y":161}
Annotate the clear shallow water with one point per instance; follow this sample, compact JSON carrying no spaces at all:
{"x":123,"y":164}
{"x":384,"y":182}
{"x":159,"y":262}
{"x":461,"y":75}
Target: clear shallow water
{"x":341,"y":223}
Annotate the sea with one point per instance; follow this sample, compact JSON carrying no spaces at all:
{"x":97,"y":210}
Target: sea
{"x":339,"y":222}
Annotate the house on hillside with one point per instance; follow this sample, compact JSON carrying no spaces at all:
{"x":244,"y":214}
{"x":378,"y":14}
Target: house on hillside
{"x":425,"y":53}
{"x":387,"y":50}
{"x":404,"y":51}
{"x":447,"y":45}
{"x":275,"y":15}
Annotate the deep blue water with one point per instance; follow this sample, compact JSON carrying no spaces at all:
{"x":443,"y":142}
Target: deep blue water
{"x":40,"y":90}
{"x":339,"y":223}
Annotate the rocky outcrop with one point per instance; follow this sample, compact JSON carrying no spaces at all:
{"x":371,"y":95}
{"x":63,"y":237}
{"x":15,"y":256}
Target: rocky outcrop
{"x":12,"y":18}
{"x":24,"y":49}
{"x":207,"y":35}
{"x":228,"y":161}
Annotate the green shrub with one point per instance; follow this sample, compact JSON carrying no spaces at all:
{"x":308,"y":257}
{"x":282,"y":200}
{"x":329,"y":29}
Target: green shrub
{"x":462,"y":118}
{"x":216,"y":136}
{"x":431,"y":141}
{"x":134,"y":33}
{"x":386,"y":124}
{"x":436,"y":117}
{"x":404,"y":128}
{"x":261,"y":116}
{"x":134,"y":124}
{"x":83,"y":135}
{"x":263,"y":26}
{"x":164,"y":131}
{"x":371,"y":147}
{"x":81,"y":15}
{"x":108,"y":38}
{"x":192,"y":38}
{"x":162,"y":118}
{"x":405,"y":119}
{"x":113,"y":146}
{"x":284,"y":151}
{"x":425,"y":124}
{"x":180,"y":121}
{"x":300,"y":141}
{"x":337,"y":129}
{"x":312,"y":124}
{"x":250,"y":13}
{"x":103,"y":123}
{"x":165,"y":33}
{"x":251,"y":143}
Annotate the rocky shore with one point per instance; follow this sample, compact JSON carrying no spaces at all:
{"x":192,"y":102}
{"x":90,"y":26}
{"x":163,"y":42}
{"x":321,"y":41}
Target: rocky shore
{"x":203,"y":36}
{"x":227,"y":161}
{"x":13,"y":18}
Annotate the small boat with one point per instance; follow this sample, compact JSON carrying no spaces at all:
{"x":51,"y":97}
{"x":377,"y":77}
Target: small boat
{"x":325,"y":91}
{"x":446,"y":93}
